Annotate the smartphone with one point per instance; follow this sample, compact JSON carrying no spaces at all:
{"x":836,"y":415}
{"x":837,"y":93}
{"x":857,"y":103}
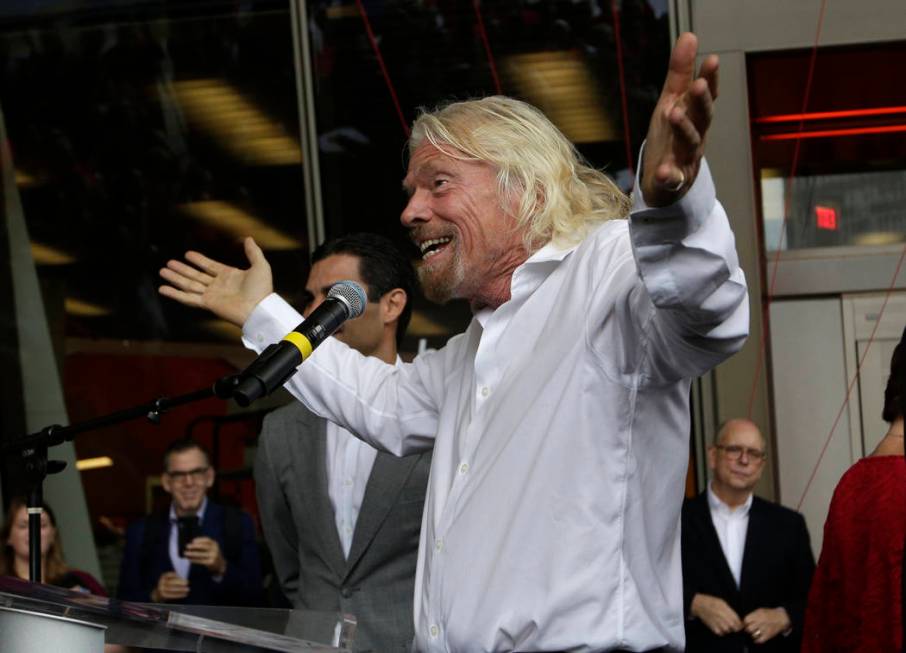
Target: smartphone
{"x":189,"y":529}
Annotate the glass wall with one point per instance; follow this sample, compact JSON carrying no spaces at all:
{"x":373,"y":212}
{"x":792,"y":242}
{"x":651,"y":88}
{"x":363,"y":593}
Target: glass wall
{"x":848,"y":146}
{"x":139,"y":129}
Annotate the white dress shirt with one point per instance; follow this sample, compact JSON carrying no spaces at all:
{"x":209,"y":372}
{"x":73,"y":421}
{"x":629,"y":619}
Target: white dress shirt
{"x":731,"y":525}
{"x":560,"y":427}
{"x":182,"y":565}
{"x":349,"y":464}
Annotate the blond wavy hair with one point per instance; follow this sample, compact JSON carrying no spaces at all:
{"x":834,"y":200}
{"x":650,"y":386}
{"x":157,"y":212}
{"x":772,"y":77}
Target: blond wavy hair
{"x":559,"y":196}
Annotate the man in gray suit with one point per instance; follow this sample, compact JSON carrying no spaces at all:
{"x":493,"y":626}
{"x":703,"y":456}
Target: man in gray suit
{"x":341,"y":519}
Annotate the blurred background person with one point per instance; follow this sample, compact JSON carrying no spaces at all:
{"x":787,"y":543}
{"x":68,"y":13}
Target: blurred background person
{"x":217,"y":563}
{"x":54,"y":570}
{"x":856,"y":601}
{"x":747,"y":562}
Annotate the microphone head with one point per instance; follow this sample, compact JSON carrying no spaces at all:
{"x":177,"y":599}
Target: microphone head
{"x":351,"y":294}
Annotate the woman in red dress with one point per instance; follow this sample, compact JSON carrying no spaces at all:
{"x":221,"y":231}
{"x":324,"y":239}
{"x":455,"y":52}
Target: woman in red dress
{"x":856,"y":599}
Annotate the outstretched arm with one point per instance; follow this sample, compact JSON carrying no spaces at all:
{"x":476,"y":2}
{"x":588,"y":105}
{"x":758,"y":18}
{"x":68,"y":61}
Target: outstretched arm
{"x":228,"y":292}
{"x":676,"y":134}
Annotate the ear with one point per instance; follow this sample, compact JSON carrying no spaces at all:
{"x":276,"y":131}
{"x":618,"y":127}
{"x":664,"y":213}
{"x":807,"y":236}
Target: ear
{"x":392,"y":304}
{"x":712,"y":457}
{"x":209,"y":477}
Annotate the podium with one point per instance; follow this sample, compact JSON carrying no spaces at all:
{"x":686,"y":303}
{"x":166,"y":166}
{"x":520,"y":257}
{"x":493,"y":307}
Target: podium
{"x":37,"y":618}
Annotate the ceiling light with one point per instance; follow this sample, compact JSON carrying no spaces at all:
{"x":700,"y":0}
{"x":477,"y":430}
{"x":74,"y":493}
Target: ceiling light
{"x":238,"y":222}
{"x":94,"y":463}
{"x":236,"y":123}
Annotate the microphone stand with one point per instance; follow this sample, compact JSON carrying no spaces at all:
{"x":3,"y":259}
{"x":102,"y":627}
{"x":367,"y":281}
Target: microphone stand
{"x":32,"y":449}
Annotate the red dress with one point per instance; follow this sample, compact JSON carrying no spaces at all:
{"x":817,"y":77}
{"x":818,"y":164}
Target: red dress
{"x":856,"y":595}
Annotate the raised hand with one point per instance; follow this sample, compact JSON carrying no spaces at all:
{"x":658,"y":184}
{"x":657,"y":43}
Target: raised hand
{"x":676,"y":135}
{"x":228,"y":292}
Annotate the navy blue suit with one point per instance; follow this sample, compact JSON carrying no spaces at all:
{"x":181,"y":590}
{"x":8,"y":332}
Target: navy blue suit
{"x":240,"y":585}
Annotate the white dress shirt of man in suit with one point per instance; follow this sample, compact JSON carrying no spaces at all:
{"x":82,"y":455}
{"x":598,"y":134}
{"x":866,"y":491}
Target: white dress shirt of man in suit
{"x":736,"y":461}
{"x":341,"y":519}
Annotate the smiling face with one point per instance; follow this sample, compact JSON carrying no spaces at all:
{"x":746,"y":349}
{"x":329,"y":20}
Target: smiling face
{"x":365,"y":333}
{"x":187,"y":478}
{"x":470,"y":245}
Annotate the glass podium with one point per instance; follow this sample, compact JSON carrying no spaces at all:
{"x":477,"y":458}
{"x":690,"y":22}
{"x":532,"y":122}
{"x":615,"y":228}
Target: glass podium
{"x":42,"y":618}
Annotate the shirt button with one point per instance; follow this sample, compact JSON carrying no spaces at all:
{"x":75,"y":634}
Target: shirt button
{"x":434,"y":630}
{"x":348,"y":482}
{"x":464,"y":468}
{"x":485,"y":391}
{"x":439,"y":544}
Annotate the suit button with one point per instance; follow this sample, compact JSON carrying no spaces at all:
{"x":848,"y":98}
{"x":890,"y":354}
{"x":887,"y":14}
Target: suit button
{"x":346,"y":592}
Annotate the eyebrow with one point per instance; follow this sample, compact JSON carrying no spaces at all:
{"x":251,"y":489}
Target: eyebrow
{"x":425,"y":170}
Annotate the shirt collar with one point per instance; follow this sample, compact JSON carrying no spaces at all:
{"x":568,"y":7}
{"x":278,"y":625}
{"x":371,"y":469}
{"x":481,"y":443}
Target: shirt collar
{"x":717,"y":505}
{"x":200,"y":513}
{"x":550,"y":253}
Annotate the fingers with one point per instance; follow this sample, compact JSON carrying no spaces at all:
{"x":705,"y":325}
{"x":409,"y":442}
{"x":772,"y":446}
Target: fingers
{"x":682,"y":64}
{"x":185,"y":278}
{"x":252,"y":252}
{"x":700,"y":108}
{"x":709,"y":72}
{"x":209,"y":265}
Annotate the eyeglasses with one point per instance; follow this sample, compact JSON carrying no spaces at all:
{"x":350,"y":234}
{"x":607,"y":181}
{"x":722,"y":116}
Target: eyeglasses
{"x":735,"y":451}
{"x":193,"y":474}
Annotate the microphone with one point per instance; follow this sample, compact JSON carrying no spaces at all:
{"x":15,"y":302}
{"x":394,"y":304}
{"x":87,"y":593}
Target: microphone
{"x":275,"y":365}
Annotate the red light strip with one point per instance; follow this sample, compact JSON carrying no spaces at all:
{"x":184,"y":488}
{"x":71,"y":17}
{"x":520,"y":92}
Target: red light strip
{"x":830,"y":115}
{"x":833,"y":133}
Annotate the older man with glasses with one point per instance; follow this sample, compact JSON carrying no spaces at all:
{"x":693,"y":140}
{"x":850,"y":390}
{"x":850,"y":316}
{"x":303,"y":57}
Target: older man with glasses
{"x":747,"y":562}
{"x":199,"y":552}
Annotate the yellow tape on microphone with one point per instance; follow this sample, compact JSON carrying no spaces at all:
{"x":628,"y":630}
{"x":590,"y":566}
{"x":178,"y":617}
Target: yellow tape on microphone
{"x":300,"y":342}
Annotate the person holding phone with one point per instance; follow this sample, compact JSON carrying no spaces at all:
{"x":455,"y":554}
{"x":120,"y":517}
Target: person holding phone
{"x":200,"y":552}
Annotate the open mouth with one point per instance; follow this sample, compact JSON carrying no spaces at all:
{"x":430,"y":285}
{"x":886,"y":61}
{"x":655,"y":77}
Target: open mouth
{"x":433,"y":246}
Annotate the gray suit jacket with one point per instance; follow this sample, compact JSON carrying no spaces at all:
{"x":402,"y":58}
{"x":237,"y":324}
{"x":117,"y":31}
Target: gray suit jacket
{"x":376,"y":583}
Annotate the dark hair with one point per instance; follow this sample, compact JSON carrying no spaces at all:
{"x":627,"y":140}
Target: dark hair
{"x":382,"y":265}
{"x":895,"y":385}
{"x":184,"y":444}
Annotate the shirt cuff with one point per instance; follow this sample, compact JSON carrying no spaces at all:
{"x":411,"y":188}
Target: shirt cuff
{"x":268,"y":322}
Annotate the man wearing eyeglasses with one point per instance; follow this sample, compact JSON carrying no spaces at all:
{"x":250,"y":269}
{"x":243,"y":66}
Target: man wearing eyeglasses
{"x":199,"y":552}
{"x":747,"y":562}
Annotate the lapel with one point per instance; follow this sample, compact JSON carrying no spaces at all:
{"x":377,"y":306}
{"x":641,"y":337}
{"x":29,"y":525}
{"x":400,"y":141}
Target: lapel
{"x":753,"y":546}
{"x":318,"y":502}
{"x":388,"y":476}
{"x":715,"y":551}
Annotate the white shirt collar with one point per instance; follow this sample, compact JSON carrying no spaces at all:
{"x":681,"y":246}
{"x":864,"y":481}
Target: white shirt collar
{"x":200,"y":513}
{"x":717,"y":505}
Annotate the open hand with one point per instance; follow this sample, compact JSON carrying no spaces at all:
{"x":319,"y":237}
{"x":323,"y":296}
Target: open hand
{"x":676,"y":135}
{"x":228,"y":292}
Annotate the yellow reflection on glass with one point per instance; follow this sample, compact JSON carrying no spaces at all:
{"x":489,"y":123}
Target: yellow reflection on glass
{"x":236,"y":221}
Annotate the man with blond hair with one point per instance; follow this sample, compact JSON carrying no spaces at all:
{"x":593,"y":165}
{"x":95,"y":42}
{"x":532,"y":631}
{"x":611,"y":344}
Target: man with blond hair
{"x":559,"y":419}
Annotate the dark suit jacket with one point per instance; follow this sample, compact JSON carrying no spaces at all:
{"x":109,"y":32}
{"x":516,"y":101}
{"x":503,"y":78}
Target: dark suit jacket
{"x":777,"y":566}
{"x":376,"y":583}
{"x":241,"y":584}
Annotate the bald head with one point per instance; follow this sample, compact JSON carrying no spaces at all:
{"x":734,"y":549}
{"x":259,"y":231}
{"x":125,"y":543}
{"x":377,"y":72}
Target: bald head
{"x":736,"y":460}
{"x":739,"y":425}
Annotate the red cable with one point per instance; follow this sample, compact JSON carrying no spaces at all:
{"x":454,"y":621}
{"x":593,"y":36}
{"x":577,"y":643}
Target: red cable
{"x":476,"y":5}
{"x":622,"y":73}
{"x":380,"y":58}
{"x":852,"y":382}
